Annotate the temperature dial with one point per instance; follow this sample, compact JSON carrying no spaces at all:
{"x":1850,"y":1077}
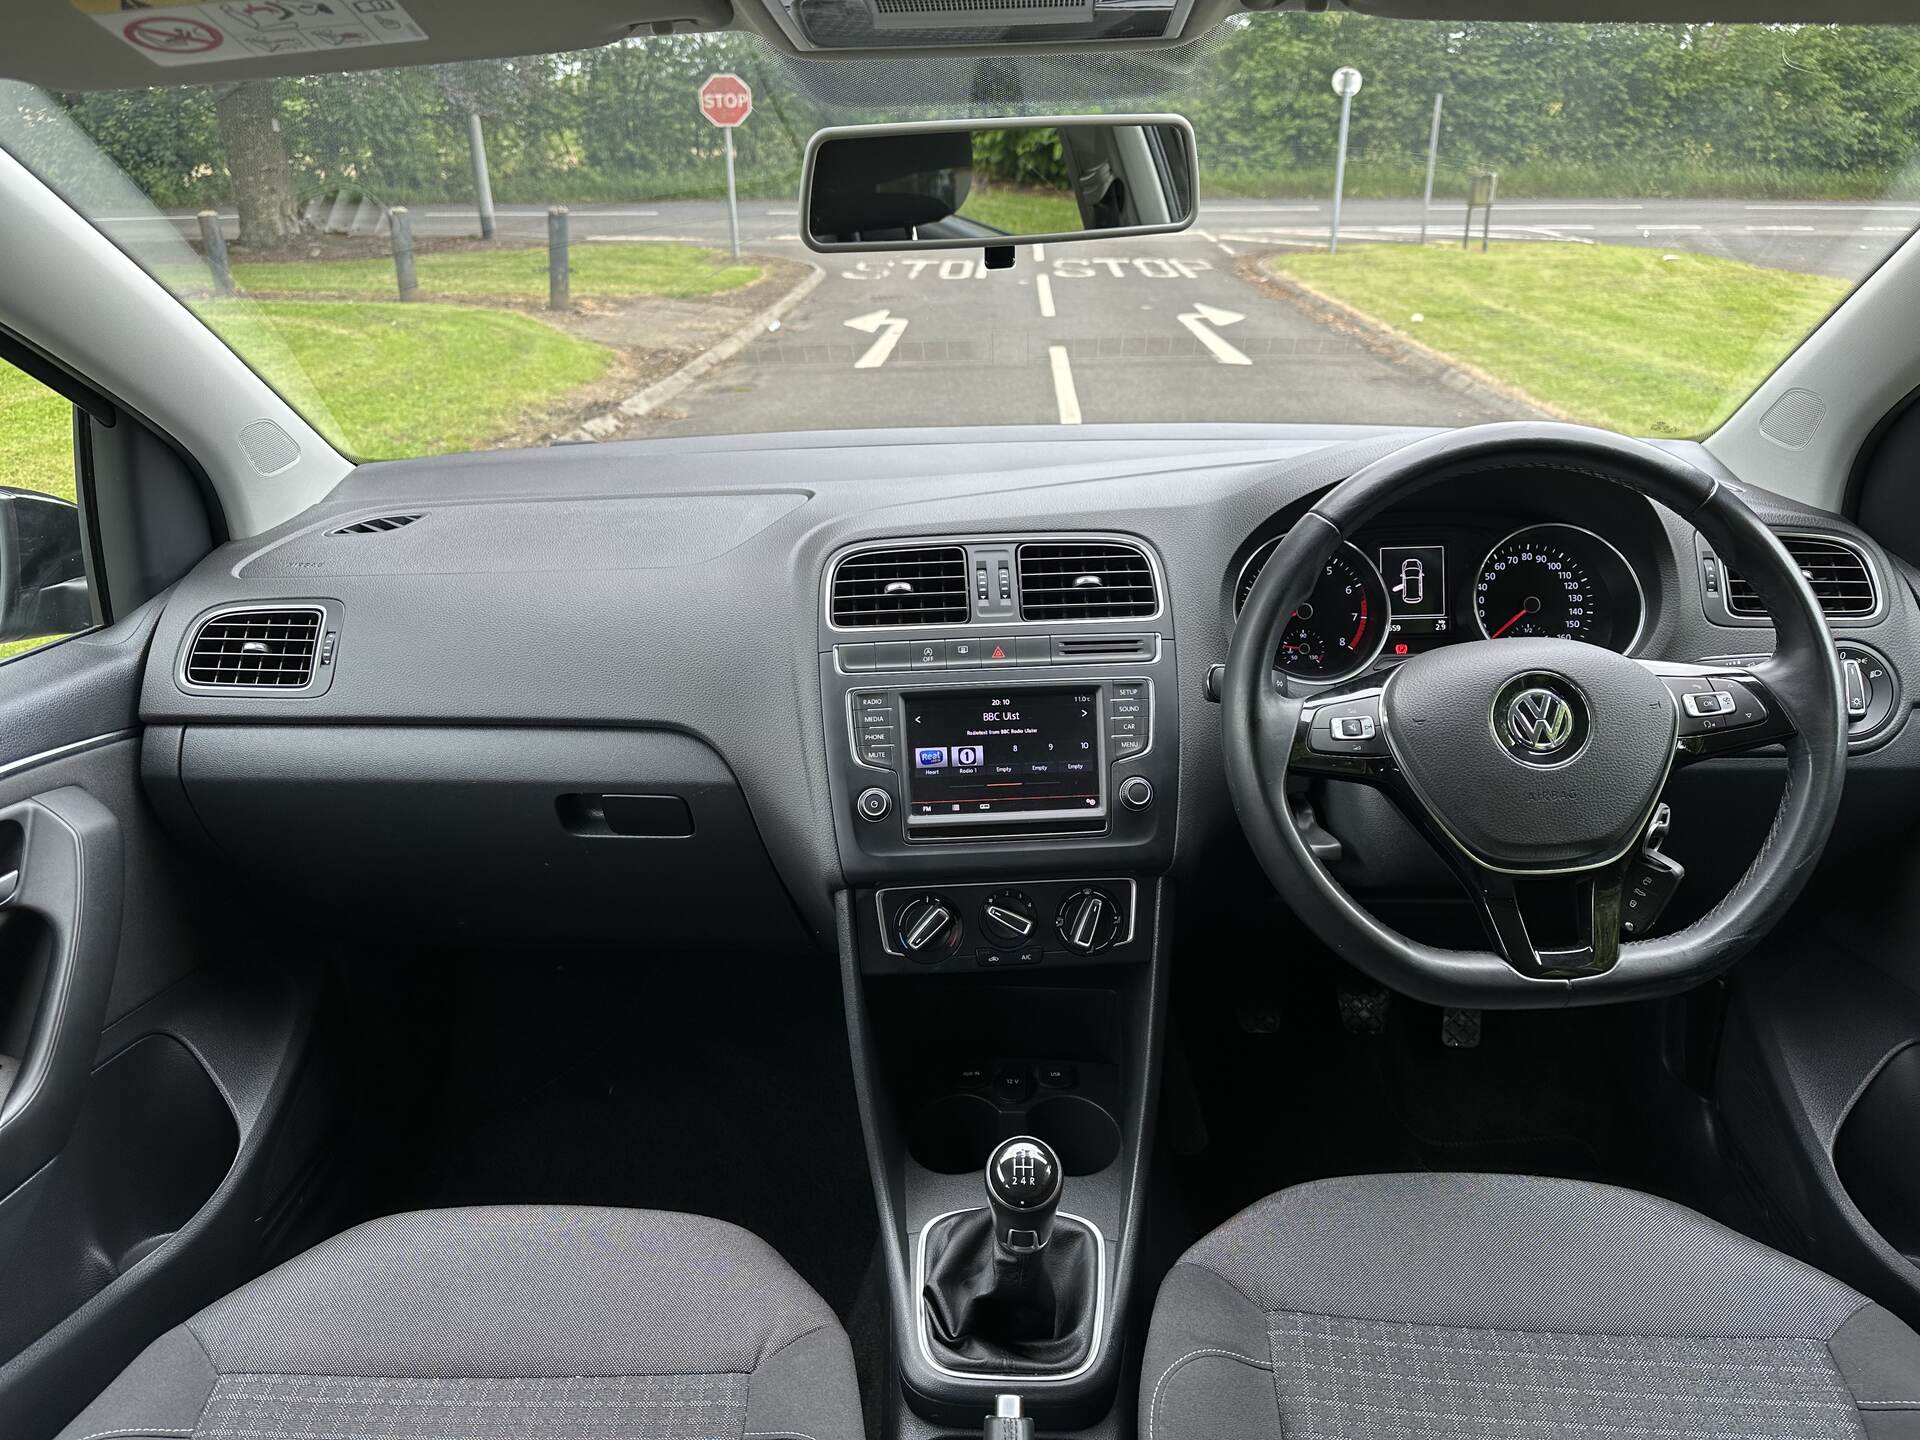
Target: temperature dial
{"x":1008,"y":920}
{"x":928,"y":928}
{"x":1088,"y":921}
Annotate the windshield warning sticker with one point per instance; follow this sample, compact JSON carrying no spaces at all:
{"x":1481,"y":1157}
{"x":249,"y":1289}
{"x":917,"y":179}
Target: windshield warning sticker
{"x":198,"y":31}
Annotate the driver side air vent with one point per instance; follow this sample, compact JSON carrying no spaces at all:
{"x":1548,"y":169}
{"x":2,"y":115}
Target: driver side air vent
{"x":378,"y":525}
{"x":1837,"y":573}
{"x":919,"y":585}
{"x":256,"y":649}
{"x":1085,"y":580}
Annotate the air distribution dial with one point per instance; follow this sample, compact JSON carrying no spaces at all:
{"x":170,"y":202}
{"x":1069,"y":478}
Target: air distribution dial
{"x":1088,"y":920}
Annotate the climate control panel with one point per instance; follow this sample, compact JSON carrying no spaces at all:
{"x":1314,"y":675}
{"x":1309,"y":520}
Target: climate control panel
{"x":995,"y":927}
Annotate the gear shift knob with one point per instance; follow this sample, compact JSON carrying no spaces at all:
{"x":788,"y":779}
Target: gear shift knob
{"x":1024,"y":1182}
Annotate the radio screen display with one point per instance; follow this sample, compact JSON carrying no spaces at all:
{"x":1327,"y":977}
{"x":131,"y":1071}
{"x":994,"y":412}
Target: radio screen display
{"x":978,"y":756}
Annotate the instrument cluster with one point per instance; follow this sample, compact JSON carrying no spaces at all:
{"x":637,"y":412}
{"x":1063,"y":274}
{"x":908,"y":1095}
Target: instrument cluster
{"x":1402,"y":589}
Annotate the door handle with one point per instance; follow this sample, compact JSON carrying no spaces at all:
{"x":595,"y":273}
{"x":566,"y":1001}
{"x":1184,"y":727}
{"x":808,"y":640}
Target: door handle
{"x":66,"y":870}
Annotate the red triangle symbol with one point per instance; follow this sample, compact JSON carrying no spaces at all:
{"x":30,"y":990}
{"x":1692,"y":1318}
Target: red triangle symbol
{"x":999,"y":653}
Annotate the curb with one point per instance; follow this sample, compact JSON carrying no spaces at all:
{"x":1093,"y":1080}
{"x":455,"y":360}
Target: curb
{"x":644,"y":402}
{"x":1458,"y":373}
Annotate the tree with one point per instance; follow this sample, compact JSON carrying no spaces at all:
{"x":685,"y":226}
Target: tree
{"x":257,"y":164}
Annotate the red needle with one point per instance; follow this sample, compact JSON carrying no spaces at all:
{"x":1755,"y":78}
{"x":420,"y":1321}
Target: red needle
{"x":1518,"y":616}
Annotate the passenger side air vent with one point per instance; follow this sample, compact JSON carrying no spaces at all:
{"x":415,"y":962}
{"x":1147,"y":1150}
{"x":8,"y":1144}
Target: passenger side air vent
{"x":1085,"y":580}
{"x":379,"y":524}
{"x":256,"y":649}
{"x":919,"y":585}
{"x":1838,"y":573}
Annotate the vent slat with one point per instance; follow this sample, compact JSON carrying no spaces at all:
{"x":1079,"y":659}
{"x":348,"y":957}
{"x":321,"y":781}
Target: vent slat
{"x":918,"y":585}
{"x":379,"y":524}
{"x":1094,"y":580}
{"x":1838,"y":577}
{"x":257,"y":649}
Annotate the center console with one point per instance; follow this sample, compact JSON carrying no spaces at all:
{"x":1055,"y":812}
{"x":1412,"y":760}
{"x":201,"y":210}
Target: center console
{"x":1002,"y":723}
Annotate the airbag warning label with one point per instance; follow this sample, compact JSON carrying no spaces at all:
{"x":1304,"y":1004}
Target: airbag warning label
{"x":200,"y":31}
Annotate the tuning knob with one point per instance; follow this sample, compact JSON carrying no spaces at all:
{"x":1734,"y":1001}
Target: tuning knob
{"x":1008,"y":920}
{"x":1088,"y":921}
{"x":928,"y":928}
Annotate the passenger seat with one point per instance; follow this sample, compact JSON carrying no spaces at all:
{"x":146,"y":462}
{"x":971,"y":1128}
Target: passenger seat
{"x":540,"y":1323}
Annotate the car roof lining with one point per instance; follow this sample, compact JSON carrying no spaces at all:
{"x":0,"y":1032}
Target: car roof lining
{"x":52,"y":44}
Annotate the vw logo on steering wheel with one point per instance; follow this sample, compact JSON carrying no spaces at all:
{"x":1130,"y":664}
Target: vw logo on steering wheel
{"x":1540,"y":721}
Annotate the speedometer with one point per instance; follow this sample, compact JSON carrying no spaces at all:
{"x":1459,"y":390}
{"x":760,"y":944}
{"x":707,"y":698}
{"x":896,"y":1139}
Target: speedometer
{"x":1338,"y":630}
{"x":1559,"y":582}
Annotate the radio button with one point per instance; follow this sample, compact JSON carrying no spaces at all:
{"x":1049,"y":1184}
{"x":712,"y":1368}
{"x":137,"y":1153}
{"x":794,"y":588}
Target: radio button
{"x":874,"y":803}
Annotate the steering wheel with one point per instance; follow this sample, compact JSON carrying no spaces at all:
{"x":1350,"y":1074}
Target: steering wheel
{"x":1536,"y":766}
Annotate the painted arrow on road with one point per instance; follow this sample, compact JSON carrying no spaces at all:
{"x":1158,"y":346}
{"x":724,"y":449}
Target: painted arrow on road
{"x":888,"y":328}
{"x":1200,"y":317}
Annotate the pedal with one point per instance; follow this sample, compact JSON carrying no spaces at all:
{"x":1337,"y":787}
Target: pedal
{"x":1258,"y":1019}
{"x":1651,"y":879}
{"x":1460,"y":1029}
{"x":1363,"y":1012}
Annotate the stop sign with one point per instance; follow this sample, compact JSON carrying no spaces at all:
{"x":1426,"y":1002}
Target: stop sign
{"x":725,"y":100}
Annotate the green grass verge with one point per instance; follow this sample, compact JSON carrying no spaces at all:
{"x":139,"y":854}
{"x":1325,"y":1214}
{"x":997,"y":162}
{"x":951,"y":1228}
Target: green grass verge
{"x":1612,"y":335}
{"x":36,"y":436}
{"x":1022,"y":212}
{"x":388,"y":381}
{"x":598,"y":271}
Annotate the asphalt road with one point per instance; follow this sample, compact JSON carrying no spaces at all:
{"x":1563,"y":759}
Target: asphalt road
{"x":1151,"y":329}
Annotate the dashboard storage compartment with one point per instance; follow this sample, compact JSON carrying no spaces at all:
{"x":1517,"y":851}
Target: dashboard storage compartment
{"x":485,"y":835}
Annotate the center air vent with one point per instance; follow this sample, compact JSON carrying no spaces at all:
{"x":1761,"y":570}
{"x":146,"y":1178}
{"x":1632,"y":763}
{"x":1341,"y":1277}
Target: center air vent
{"x":379,"y":524}
{"x":920,"y":585}
{"x":1085,"y":580}
{"x":1837,"y":573}
{"x":256,"y":649}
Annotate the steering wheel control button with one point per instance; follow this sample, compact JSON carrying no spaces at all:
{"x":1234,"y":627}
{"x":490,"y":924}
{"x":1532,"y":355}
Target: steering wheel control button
{"x":1705,"y":703}
{"x":1008,"y":920}
{"x":1088,"y":921}
{"x":928,"y":929}
{"x":1347,"y":727}
{"x":874,"y":804}
{"x":1136,"y":792}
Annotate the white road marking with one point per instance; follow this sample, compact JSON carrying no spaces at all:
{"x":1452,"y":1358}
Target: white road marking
{"x":1197,"y":319}
{"x":1039,"y":254}
{"x":783,"y":213}
{"x":887,"y":328}
{"x":1649,"y":229}
{"x":1830,"y":205}
{"x":1885,"y":229}
{"x":1043,"y":287}
{"x":1216,"y":241}
{"x":1259,"y":209}
{"x":1773,"y":229}
{"x":1525,"y":205}
{"x":1063,"y":392}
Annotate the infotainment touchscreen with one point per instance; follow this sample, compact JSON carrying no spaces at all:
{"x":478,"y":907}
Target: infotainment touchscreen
{"x":982,"y":757}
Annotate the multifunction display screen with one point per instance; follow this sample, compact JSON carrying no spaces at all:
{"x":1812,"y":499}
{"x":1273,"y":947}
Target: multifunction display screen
{"x":982,"y":756}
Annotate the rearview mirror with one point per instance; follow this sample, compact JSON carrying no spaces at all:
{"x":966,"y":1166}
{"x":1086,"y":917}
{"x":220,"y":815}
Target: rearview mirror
{"x":43,"y":570}
{"x":944,"y":184}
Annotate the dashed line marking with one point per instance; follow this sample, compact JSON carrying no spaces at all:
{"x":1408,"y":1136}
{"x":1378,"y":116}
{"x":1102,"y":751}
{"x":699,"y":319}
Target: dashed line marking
{"x":1039,"y":254}
{"x":1043,"y":287}
{"x":1063,"y":391}
{"x":1780,"y":229}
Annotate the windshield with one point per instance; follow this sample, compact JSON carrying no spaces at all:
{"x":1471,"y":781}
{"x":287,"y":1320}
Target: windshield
{"x":1627,"y":225}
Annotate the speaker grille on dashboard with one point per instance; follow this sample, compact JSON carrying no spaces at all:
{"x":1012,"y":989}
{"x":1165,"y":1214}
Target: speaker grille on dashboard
{"x":268,"y":447}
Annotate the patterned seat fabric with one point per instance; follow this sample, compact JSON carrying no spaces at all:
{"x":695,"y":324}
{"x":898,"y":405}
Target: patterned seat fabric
{"x":1511,"y":1308}
{"x":509,"y":1323}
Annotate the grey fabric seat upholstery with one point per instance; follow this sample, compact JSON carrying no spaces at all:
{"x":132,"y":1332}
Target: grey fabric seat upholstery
{"x":1509,"y":1307}
{"x":509,"y":1323}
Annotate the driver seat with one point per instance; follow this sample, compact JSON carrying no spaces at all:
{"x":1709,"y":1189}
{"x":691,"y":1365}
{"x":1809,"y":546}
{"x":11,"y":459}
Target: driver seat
{"x":1511,"y":1307}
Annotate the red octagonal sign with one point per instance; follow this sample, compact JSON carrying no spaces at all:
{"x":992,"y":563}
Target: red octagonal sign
{"x":725,"y":100}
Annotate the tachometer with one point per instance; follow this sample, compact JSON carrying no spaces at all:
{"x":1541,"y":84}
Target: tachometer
{"x":1558,"y":581}
{"x":1341,"y":625}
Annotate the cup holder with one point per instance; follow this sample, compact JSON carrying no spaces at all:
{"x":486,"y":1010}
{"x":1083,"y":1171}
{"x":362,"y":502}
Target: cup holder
{"x":954,"y":1134}
{"x":1082,"y":1133}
